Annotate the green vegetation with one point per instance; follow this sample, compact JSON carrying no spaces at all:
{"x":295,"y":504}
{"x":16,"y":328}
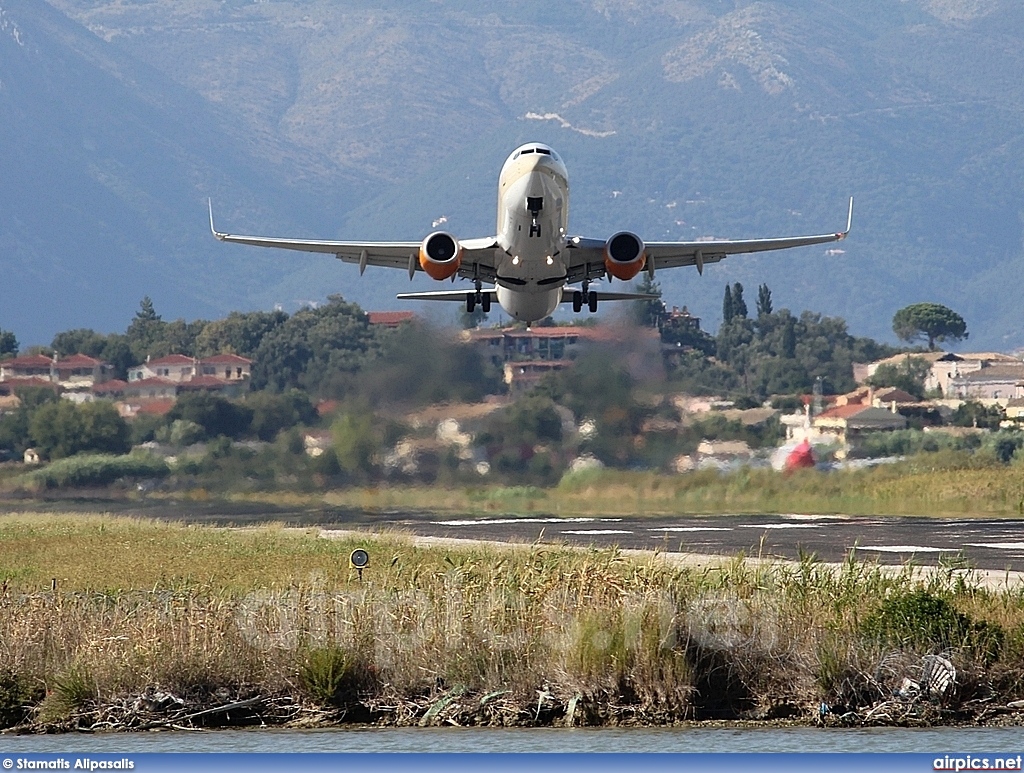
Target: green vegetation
{"x":270,"y":614}
{"x":929,"y":322}
{"x":8,"y":344}
{"x":776,"y":353}
{"x":95,"y":470}
{"x":909,"y":376}
{"x":334,"y":398}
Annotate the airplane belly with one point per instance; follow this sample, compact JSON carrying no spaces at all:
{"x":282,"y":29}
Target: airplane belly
{"x":529,"y":306}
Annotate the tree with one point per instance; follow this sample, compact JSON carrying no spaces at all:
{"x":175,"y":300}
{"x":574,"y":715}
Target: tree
{"x":789,"y":338}
{"x":739,"y":306}
{"x":79,"y":341}
{"x":144,"y":330}
{"x":764,"y":301}
{"x":357,"y":443}
{"x":146,"y":312}
{"x":8,"y":343}
{"x":319,"y":350}
{"x":728,"y":309}
{"x":648,"y":313}
{"x":113,"y":348}
{"x":929,"y":321}
{"x":909,"y":376}
{"x":60,"y":428}
{"x":216,"y":415}
{"x":974,"y":414}
{"x":275,"y":412}
{"x":238,"y":333}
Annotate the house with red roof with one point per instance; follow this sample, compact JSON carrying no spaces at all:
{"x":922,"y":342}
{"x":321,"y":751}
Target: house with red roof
{"x":74,"y":375}
{"x":152,"y":388}
{"x":173,"y":367}
{"x":389,"y":318}
{"x":229,"y":367}
{"x":156,"y":384}
{"x":28,"y":366}
{"x":224,"y":387}
{"x":78,"y":371}
{"x":179,"y":368}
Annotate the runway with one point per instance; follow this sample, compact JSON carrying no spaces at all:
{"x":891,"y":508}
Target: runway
{"x":993,"y":544}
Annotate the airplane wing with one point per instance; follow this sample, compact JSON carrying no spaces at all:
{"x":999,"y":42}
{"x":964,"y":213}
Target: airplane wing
{"x":477,"y":255}
{"x":587,"y":255}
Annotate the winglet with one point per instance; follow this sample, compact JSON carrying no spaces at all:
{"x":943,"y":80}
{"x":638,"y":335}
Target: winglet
{"x":216,"y":233}
{"x":849,"y":221}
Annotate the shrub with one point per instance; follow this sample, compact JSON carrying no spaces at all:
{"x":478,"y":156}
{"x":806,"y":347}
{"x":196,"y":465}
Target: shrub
{"x":922,"y":619}
{"x":95,"y":470}
{"x":16,"y":697}
{"x":71,"y":690}
{"x":333,"y":676}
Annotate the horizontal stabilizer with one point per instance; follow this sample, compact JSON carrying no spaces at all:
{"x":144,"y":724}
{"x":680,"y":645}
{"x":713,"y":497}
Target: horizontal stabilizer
{"x":445,"y":295}
{"x":601,"y":296}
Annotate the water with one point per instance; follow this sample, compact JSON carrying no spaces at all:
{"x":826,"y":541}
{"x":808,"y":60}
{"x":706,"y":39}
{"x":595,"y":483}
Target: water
{"x":684,"y":739}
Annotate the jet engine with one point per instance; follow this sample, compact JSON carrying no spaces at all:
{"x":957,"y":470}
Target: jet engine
{"x":440,"y":255}
{"x":624,"y":255}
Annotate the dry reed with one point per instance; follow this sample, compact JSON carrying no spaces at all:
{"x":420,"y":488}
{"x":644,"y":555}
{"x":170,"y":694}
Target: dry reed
{"x":515,"y":635}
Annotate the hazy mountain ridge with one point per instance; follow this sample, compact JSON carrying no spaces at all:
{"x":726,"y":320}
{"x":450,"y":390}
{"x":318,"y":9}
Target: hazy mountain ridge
{"x":678,"y":119}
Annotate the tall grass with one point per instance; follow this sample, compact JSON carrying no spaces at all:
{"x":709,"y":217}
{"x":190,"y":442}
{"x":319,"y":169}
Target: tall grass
{"x":513,"y":635}
{"x":932,"y":484}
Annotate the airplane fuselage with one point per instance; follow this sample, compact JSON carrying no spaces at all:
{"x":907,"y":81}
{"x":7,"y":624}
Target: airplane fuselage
{"x":533,"y":212}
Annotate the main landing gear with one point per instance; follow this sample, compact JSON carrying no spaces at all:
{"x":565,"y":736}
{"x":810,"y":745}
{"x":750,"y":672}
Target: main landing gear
{"x":478,"y":296}
{"x":587,"y":296}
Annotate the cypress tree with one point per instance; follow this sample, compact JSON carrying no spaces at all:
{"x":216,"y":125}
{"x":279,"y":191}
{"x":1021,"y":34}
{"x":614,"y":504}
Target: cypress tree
{"x":728,"y":310}
{"x":739,"y":306}
{"x":764,"y":301}
{"x":789,"y":339}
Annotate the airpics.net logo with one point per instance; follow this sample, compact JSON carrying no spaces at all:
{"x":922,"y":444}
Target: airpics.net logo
{"x":976,"y":763}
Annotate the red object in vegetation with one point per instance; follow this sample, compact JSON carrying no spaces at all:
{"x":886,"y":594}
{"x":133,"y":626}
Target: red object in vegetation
{"x":801,"y":456}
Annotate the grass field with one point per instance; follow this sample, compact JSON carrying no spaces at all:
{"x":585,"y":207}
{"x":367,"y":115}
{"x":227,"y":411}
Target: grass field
{"x":484,"y":635}
{"x":934,"y":484}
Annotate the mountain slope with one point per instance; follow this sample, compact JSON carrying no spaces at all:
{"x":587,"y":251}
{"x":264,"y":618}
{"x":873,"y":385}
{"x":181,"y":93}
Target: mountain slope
{"x":678,"y":119}
{"x":105,"y":170}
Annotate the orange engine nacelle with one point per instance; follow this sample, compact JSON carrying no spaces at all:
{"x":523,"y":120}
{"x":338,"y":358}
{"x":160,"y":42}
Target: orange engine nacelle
{"x":624,"y":256}
{"x":440,"y":255}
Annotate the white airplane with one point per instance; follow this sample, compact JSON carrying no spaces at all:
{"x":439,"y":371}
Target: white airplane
{"x":533,"y":261}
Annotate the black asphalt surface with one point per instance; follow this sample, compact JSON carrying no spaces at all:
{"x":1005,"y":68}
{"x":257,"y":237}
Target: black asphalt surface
{"x":984,"y":543}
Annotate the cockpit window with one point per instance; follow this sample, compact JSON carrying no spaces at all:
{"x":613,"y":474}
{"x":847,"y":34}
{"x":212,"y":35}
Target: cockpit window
{"x":515,"y":155}
{"x":530,"y":150}
{"x":545,"y":151}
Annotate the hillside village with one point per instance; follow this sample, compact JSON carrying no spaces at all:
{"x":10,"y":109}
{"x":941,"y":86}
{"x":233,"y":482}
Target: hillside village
{"x":545,"y":400}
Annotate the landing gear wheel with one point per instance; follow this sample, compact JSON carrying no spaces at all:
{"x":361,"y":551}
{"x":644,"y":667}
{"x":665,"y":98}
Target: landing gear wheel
{"x":485,"y":303}
{"x":592,"y":302}
{"x":577,"y":301}
{"x":470,"y":302}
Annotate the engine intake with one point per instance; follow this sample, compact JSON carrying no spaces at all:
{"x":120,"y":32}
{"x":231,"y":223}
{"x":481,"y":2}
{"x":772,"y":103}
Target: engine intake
{"x":624,"y":256}
{"x":440,"y":255}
